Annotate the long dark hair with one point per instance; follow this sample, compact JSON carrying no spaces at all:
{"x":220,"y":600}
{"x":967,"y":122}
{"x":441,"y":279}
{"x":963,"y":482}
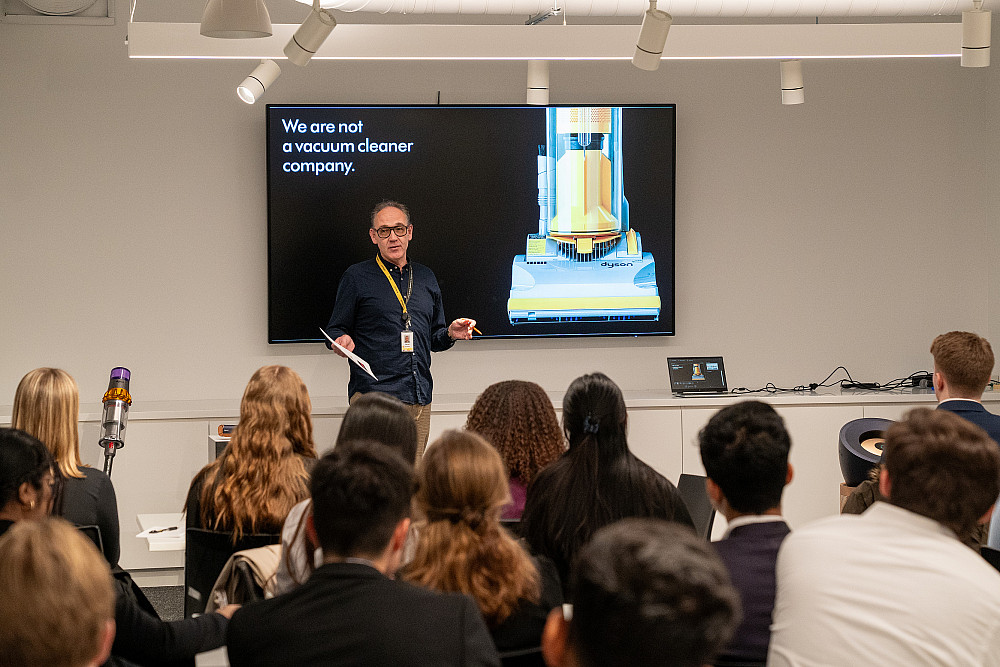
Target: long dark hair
{"x":598,"y":481}
{"x":384,"y":419}
{"x":23,"y":458}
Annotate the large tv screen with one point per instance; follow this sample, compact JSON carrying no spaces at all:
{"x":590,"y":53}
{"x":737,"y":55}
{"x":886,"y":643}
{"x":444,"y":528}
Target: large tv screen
{"x":537,"y":221}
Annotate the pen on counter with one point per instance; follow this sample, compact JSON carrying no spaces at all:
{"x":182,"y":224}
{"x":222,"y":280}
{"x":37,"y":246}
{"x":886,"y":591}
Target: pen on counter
{"x":162,"y":530}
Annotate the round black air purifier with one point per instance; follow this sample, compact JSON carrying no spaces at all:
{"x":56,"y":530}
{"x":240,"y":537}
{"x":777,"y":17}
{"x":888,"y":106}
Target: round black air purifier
{"x":861,"y":442}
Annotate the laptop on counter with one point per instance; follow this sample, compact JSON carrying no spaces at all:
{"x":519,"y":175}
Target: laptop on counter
{"x":697,"y":376}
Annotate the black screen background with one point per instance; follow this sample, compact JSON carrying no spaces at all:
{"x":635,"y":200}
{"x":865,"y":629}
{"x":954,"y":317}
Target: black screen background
{"x":471,"y":186}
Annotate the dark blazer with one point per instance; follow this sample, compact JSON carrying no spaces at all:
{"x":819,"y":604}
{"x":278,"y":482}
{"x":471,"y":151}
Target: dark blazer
{"x":975,"y":413}
{"x":352,"y":614}
{"x":749,"y":553}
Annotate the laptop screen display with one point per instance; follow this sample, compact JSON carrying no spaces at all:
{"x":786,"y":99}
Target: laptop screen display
{"x":697,"y":375}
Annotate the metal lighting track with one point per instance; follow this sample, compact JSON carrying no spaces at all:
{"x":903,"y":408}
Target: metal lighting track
{"x":562,"y":42}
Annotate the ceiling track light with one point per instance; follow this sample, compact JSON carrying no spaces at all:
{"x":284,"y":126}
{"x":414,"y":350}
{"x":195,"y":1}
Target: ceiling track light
{"x":976,"y":36}
{"x":544,"y":15}
{"x":236,"y":19}
{"x":792,"y":90}
{"x":254,"y":85}
{"x":652,"y":37}
{"x":538,"y":82}
{"x":310,"y":36}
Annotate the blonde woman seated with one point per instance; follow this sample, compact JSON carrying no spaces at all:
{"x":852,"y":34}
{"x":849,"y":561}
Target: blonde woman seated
{"x":518,"y":419}
{"x":463,"y":548}
{"x":263,"y":472}
{"x":47,"y":406}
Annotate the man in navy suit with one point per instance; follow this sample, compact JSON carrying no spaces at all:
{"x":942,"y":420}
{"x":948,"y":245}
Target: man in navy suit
{"x":963,"y":363}
{"x":744,"y":449}
{"x":351,"y":612}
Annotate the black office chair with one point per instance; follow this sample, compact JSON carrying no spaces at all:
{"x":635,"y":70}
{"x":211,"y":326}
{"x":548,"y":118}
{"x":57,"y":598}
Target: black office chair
{"x":205,"y":555}
{"x":692,"y":490}
{"x":513,"y":527}
{"x":93,"y":534}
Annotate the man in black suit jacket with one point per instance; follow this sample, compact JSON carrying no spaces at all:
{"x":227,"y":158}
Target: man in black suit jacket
{"x":350,"y":612}
{"x":963,"y":363}
{"x":744,"y":449}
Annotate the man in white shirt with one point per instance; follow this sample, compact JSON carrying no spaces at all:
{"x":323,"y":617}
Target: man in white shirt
{"x":894,"y":586}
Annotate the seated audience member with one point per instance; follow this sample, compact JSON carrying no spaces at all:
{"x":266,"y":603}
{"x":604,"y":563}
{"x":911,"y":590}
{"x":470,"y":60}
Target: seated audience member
{"x":518,"y":419}
{"x":893,"y":586}
{"x":461,"y":488}
{"x":26,"y":481}
{"x":262,"y":472}
{"x":744,"y":449}
{"x":373,"y":416}
{"x":58,"y":602}
{"x":47,"y":405}
{"x":646,"y":593}
{"x":351,"y":611}
{"x":963,"y":363}
{"x":597,"y":482}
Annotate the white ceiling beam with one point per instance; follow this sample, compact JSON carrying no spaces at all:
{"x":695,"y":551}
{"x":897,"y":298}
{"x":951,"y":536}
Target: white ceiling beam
{"x":562,"y":42}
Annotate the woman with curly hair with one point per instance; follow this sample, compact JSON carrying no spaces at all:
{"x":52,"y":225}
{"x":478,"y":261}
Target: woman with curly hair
{"x":47,"y":406}
{"x":597,"y":482}
{"x":518,"y":419}
{"x":463,"y":548}
{"x":262,"y":473}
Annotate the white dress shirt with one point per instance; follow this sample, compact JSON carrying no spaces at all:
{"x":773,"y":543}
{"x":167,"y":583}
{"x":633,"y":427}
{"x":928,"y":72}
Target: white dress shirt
{"x":887,"y":587}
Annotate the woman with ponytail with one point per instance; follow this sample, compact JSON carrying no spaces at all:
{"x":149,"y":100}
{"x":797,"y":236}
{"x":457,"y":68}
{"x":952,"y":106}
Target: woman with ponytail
{"x":463,"y":548}
{"x":597,"y":482}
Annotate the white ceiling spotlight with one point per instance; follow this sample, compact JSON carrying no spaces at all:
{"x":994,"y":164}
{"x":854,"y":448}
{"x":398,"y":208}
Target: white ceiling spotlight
{"x":652,"y":37}
{"x":976,"y":36}
{"x":254,"y":85}
{"x":236,"y":19}
{"x":792,"y":90}
{"x":310,"y":36}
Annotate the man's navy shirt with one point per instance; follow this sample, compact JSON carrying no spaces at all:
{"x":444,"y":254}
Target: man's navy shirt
{"x":369,"y":312}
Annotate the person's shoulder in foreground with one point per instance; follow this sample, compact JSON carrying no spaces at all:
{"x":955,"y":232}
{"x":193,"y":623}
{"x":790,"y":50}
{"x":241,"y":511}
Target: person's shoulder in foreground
{"x":895,"y":585}
{"x":646,"y":593}
{"x":350,"y":614}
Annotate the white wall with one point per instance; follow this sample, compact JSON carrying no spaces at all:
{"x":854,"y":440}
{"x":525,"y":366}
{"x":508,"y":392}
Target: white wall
{"x":849,"y":230}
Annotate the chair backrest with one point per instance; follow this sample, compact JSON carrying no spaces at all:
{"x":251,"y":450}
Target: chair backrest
{"x":513,"y":527}
{"x":205,"y":555}
{"x":531,"y":657}
{"x":692,"y":490}
{"x":93,"y":534}
{"x":991,"y":555}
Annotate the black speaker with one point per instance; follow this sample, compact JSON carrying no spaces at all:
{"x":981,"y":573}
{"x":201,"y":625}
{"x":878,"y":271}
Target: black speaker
{"x":861,"y":443}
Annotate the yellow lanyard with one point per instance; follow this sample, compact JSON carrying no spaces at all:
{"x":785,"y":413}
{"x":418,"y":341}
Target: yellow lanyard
{"x":399,"y":296}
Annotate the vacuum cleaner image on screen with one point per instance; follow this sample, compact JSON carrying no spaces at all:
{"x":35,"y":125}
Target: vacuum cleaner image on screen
{"x":536,"y":221}
{"x":697,"y":375}
{"x":585,"y":263}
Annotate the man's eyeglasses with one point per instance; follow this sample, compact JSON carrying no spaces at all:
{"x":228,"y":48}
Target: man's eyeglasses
{"x":400,"y":230}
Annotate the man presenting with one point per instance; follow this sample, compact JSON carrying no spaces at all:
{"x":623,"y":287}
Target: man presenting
{"x":389,"y":311}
